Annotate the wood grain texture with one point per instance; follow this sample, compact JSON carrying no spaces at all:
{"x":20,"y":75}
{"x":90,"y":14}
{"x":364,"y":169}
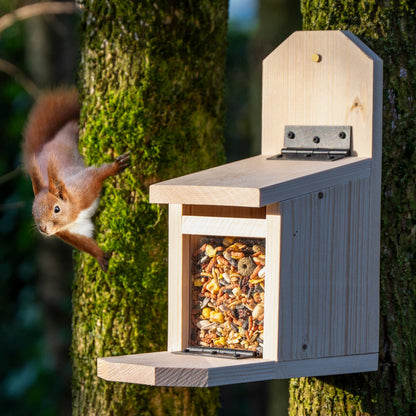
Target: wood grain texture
{"x":373,"y":280}
{"x":327,"y":297}
{"x":167,"y":369}
{"x":224,"y":226}
{"x":330,"y":304}
{"x":346,"y":364}
{"x":338,"y":90}
{"x":179,"y":282}
{"x":257,"y":181}
{"x":272,"y":282}
{"x":224,"y":211}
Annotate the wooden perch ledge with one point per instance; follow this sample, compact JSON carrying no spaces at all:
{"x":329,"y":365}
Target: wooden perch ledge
{"x":169,"y":369}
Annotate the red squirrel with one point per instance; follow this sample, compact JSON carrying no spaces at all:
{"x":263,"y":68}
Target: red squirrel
{"x":66,"y":191}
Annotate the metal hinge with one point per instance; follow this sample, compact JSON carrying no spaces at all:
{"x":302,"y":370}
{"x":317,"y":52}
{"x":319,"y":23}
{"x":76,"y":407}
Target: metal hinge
{"x":316,"y":143}
{"x":218,"y":352}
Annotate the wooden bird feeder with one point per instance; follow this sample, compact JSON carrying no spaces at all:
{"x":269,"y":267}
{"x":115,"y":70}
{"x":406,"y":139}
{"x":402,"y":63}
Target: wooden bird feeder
{"x":305,"y":215}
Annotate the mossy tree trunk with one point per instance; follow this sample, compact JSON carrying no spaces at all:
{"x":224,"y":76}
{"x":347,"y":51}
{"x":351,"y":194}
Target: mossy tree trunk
{"x":151,"y":83}
{"x":389,"y":28}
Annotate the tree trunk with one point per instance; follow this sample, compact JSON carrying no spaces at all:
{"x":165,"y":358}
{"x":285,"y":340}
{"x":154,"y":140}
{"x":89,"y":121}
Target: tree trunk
{"x":151,"y":83}
{"x":277,"y":19}
{"x":389,"y":28}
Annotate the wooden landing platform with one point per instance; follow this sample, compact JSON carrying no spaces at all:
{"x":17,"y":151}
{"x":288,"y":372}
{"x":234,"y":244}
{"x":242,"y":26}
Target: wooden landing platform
{"x":169,"y":369}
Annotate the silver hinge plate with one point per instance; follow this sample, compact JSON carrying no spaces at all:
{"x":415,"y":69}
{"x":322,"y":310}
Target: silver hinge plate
{"x":218,"y":352}
{"x":316,"y":143}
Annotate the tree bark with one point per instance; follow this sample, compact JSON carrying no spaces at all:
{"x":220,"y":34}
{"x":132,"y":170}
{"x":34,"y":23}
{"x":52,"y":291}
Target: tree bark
{"x":151,"y":82}
{"x":388,"y":27}
{"x":277,"y":19}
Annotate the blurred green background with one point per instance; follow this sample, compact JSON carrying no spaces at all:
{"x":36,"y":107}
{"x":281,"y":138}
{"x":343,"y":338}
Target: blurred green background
{"x":35,"y":273}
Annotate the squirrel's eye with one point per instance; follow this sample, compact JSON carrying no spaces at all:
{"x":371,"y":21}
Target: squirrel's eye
{"x":56,"y":209}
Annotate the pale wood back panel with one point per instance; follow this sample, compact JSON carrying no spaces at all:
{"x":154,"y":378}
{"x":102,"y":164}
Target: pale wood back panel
{"x":328,"y":291}
{"x":338,"y":90}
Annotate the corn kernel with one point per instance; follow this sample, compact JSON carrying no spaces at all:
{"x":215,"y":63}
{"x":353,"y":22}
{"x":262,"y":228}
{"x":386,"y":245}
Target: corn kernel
{"x":198,"y":282}
{"x":216,"y":317}
{"x":213,"y":286}
{"x":206,"y":313}
{"x":210,"y":251}
{"x":219,"y":341}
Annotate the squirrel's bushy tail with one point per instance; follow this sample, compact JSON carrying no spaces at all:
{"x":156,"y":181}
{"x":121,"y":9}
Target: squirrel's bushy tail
{"x":51,"y":112}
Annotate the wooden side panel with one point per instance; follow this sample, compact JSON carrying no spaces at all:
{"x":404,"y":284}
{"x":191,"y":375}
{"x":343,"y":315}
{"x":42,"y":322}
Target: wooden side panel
{"x":375,"y":204}
{"x":179,"y":282}
{"x":328,"y":298}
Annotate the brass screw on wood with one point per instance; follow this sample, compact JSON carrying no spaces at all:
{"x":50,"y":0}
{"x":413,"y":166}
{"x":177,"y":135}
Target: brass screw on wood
{"x":316,"y":57}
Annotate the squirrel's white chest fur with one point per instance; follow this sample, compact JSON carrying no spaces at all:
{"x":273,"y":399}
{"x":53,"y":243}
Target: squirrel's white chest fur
{"x":83,"y":225}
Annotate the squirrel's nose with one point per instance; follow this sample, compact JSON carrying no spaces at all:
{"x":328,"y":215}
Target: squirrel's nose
{"x":42,"y":228}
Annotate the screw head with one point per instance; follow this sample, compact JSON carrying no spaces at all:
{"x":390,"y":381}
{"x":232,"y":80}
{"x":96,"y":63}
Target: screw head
{"x":291,"y":135}
{"x":316,"y":57}
{"x":342,"y":135}
{"x":316,"y":139}
{"x":320,"y":195}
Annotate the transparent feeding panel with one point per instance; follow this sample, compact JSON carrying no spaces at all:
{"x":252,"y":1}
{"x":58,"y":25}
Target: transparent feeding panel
{"x":228,"y":277}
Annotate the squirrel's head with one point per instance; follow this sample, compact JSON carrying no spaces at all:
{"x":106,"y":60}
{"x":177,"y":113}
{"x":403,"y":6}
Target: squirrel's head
{"x":52,"y":208}
{"x":51,"y":213}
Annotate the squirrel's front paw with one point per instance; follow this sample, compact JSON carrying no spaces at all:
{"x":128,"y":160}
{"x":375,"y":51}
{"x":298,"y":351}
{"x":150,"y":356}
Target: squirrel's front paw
{"x":103,"y":261}
{"x":122,"y":162}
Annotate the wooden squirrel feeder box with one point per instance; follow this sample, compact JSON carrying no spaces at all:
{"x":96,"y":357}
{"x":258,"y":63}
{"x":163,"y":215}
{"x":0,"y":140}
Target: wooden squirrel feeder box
{"x":274,"y":260}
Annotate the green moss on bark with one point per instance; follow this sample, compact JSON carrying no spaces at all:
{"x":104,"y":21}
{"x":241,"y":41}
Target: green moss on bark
{"x":151,"y":82}
{"x":388,"y":27}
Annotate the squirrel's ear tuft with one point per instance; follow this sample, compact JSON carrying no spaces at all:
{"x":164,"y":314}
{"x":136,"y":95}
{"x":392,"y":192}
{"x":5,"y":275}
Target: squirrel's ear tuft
{"x":56,"y":186}
{"x":36,"y":177}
